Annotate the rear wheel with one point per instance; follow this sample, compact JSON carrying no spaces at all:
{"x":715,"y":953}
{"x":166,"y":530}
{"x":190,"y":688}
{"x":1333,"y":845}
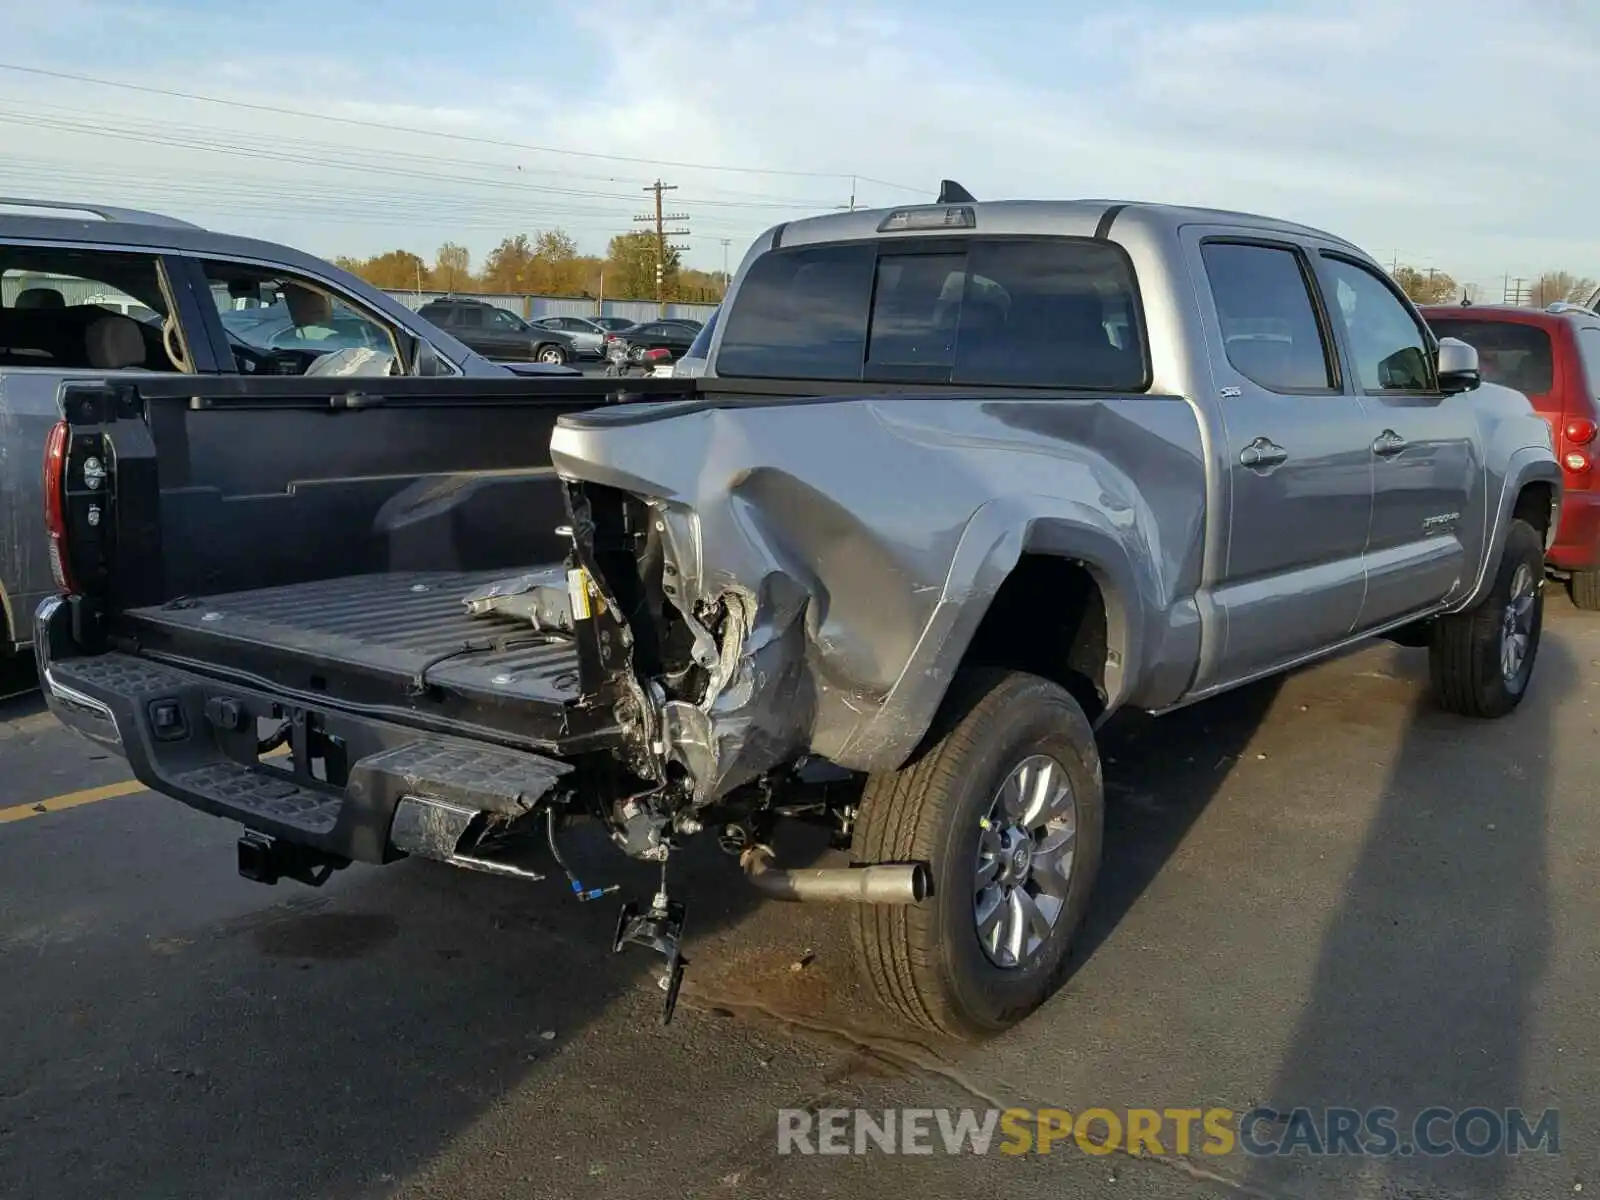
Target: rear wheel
{"x":1006,"y":808}
{"x":1585,"y":589}
{"x":1481,"y":660}
{"x":553,"y":355}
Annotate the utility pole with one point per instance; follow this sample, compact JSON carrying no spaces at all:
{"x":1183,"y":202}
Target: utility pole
{"x":662,"y":233}
{"x":726,"y":279}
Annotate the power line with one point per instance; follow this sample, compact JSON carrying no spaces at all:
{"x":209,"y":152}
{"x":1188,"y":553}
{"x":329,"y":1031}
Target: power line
{"x":267,"y":154}
{"x":304,"y":114}
{"x":92,"y":122}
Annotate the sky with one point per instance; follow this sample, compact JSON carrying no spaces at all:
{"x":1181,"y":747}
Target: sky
{"x":1460,"y":136}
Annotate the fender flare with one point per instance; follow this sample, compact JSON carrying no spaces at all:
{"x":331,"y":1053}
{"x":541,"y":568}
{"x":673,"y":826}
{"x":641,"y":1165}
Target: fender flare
{"x":996,"y":537}
{"x":1529,"y":464}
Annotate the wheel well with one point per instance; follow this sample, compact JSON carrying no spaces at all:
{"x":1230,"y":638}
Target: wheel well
{"x":1049,"y":618}
{"x":1533,"y":506}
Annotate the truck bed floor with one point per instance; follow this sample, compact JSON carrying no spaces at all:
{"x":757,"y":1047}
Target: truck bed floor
{"x":387,"y":630}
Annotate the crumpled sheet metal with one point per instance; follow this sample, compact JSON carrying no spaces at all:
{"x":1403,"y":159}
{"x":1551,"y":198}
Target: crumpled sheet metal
{"x":874,"y":532}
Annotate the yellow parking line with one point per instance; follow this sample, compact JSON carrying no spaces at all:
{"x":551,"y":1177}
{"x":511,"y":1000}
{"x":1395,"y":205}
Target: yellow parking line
{"x":110,"y":791}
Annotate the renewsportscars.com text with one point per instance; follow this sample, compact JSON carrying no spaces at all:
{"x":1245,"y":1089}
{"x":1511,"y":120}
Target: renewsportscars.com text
{"x":1374,"y":1132}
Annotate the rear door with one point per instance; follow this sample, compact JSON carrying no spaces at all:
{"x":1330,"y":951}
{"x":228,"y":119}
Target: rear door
{"x":1428,"y":479}
{"x":507,"y":335}
{"x":1295,"y":441}
{"x":62,"y":317}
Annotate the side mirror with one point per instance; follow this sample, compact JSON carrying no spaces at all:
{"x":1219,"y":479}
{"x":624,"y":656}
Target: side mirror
{"x":1458,"y":366}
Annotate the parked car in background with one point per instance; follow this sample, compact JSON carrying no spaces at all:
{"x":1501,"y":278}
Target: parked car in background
{"x":499,"y":334}
{"x":1552,"y":356}
{"x":687,"y":322}
{"x":692,"y":363}
{"x":257,"y":308}
{"x":631,"y":346}
{"x":613,"y":324}
{"x":588,"y":338}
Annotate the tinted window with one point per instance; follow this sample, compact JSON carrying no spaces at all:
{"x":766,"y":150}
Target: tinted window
{"x":701,"y":346}
{"x":1269,"y":322}
{"x":1389,"y":348}
{"x":915,"y":307}
{"x":267,"y":310}
{"x":1589,"y":347}
{"x":1057,"y":313}
{"x":82,"y":309}
{"x":801,"y":314}
{"x":1510,"y":353}
{"x":500,"y":319}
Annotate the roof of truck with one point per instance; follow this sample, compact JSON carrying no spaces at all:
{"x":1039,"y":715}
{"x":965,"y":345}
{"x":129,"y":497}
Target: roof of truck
{"x":96,"y":224}
{"x":1520,"y":313}
{"x":1060,"y":217}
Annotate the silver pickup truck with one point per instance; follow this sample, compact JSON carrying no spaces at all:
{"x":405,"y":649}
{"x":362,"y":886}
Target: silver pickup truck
{"x":958,"y":482}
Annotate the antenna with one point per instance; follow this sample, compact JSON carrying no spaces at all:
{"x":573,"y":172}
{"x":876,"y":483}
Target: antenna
{"x":951,"y":192}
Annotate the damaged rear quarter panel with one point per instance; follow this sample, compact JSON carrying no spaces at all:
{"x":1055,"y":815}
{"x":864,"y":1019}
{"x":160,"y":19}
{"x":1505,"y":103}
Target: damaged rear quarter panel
{"x":873,"y":533}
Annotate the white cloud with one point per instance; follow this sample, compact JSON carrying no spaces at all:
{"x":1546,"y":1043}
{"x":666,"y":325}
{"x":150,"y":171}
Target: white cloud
{"x":1455,"y":135}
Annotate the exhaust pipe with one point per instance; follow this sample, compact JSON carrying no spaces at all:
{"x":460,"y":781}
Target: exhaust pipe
{"x":885,"y":884}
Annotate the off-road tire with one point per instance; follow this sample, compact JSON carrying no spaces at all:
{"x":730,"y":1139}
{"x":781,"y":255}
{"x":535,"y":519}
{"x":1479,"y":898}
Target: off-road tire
{"x":1464,"y":657}
{"x":1585,"y":589}
{"x":924,"y":962}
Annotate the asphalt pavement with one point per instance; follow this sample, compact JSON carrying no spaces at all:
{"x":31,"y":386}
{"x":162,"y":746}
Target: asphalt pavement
{"x":1318,"y":892}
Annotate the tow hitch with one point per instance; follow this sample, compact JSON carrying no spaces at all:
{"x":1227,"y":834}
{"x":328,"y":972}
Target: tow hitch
{"x":266,"y":860}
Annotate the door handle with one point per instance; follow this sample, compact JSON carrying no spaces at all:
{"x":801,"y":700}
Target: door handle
{"x":1263,"y":452}
{"x":1388,"y":443}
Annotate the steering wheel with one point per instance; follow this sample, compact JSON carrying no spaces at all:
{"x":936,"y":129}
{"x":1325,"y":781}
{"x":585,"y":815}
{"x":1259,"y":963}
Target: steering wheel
{"x":251,"y":360}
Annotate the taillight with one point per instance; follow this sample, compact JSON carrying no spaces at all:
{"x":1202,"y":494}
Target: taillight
{"x":1577,"y":460}
{"x":1580,"y":432}
{"x":55,"y":504}
{"x":657,"y":354}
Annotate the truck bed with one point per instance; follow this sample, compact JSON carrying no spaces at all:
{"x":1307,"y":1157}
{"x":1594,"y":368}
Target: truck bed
{"x":400,"y":640}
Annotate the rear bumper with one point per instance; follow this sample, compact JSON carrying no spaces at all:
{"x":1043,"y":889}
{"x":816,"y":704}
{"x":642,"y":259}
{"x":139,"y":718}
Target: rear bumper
{"x":196,"y":739}
{"x":1577,"y":544}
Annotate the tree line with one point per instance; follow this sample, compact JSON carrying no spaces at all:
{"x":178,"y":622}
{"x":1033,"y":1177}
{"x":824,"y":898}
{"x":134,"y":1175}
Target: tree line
{"x":1439,"y":287}
{"x":547,"y":264}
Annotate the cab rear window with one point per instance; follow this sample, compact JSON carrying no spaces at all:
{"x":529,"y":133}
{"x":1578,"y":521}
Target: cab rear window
{"x":1509,"y":353}
{"x":1057,"y":312}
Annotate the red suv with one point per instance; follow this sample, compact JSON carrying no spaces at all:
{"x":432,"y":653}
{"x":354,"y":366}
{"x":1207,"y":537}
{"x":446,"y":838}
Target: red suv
{"x":1552,"y":356}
